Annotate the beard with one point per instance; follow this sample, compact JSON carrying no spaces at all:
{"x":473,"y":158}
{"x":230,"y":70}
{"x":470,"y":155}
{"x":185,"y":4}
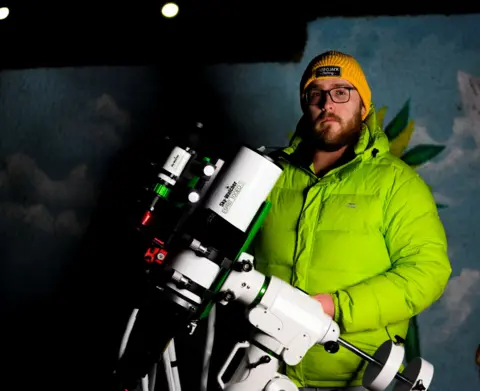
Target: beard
{"x":322,"y":135}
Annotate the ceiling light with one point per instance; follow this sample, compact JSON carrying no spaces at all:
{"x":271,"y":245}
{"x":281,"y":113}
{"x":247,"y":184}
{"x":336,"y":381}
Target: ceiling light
{"x":4,"y":11}
{"x":170,"y":10}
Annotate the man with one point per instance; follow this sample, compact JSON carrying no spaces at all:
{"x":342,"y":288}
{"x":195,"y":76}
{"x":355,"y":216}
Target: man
{"x":350,"y":224}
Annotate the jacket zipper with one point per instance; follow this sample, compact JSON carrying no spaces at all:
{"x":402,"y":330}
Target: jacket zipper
{"x":357,"y":158}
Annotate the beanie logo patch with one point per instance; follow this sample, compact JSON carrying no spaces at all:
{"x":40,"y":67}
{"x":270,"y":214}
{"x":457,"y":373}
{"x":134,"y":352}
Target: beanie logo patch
{"x":328,"y":71}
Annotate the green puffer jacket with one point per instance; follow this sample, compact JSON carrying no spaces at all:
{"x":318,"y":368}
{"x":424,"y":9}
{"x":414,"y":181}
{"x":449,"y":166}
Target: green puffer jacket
{"x":367,"y":232}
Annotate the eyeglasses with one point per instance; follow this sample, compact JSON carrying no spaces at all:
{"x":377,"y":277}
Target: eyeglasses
{"x":314,"y":96}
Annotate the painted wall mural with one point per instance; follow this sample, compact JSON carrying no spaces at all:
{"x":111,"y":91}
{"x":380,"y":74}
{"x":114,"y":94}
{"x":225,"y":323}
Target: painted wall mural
{"x":62,"y":128}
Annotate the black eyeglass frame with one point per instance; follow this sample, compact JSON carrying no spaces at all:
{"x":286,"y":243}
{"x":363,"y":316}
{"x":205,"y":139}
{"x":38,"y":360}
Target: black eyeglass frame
{"x":329,"y":92}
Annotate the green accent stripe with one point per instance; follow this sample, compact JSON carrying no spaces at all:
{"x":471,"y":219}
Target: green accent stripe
{"x":256,"y":226}
{"x":193,"y":182}
{"x":261,"y":292}
{"x":161,"y":190}
{"x":248,"y":241}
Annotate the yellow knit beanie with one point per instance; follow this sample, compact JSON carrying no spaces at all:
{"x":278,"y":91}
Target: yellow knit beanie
{"x":334,"y":64}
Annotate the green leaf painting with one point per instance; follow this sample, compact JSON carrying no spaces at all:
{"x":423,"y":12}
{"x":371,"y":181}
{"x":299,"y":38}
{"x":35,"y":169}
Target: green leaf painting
{"x":398,"y":123}
{"x":399,"y":132}
{"x":421,"y":154}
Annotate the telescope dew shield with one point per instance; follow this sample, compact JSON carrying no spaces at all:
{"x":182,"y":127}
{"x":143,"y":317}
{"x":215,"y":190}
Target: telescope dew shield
{"x":244,"y":188}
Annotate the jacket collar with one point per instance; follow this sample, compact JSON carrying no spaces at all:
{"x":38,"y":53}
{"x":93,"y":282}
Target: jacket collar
{"x":372,"y":140}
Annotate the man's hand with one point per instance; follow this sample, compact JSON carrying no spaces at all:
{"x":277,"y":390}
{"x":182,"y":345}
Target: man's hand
{"x":327,"y":303}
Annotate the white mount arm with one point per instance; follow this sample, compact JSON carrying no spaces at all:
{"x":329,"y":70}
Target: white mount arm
{"x":288,"y":323}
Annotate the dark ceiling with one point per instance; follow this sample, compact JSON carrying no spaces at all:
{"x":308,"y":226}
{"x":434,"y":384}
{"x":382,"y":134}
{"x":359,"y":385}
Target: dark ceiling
{"x":55,"y":33}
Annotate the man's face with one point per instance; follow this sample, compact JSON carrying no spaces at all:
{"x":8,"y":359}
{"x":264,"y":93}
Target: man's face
{"x":333,"y":122}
